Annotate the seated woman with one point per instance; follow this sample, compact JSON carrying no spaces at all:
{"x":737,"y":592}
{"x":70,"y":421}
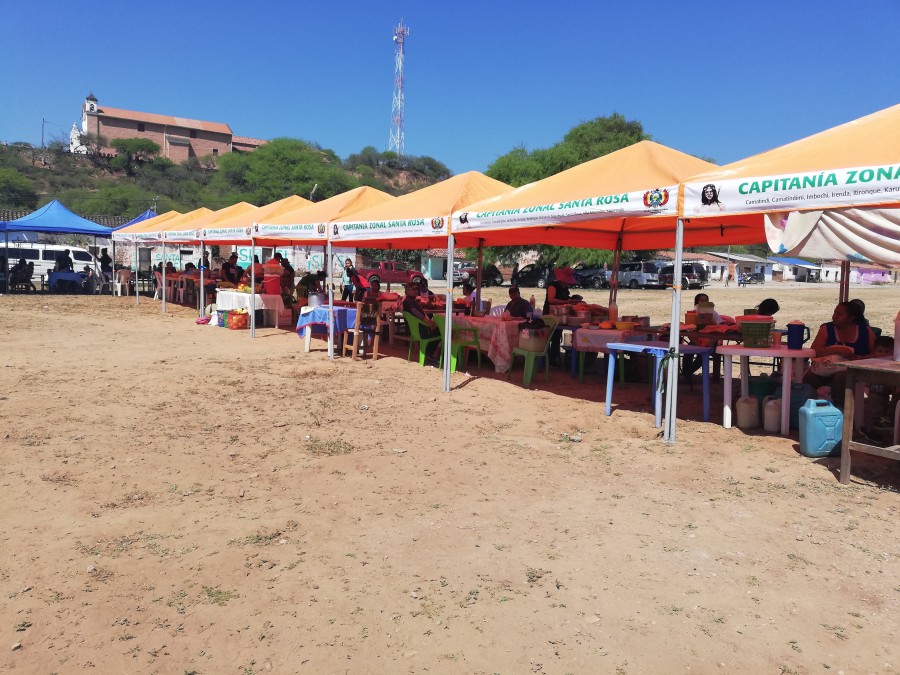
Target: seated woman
{"x":170,"y":268}
{"x":848,"y":336}
{"x":411,"y":304}
{"x":373,"y":294}
{"x":422,"y":290}
{"x":703,"y":297}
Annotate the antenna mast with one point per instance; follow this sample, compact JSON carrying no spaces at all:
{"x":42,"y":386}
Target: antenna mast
{"x":397,"y":140}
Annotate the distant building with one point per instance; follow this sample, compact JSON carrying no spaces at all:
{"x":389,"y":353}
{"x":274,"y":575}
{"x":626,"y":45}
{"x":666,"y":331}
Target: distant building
{"x":178,"y":138}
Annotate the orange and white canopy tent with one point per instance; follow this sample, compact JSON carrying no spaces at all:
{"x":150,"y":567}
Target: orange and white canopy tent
{"x":632,"y":193}
{"x":420,"y":219}
{"x":149,"y":225}
{"x":832,"y":195}
{"x":310,"y":222}
{"x":234,"y":223}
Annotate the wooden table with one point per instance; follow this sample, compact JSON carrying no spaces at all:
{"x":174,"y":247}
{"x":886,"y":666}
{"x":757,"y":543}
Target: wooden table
{"x":870,"y":371}
{"x":767,"y":352}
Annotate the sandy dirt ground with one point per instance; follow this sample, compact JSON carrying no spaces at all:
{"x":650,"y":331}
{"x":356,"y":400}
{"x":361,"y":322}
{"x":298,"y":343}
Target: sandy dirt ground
{"x":183,"y":499}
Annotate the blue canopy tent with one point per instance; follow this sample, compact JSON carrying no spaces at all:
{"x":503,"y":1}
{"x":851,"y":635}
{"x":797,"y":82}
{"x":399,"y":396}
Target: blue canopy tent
{"x":53,"y":218}
{"x":146,"y":215}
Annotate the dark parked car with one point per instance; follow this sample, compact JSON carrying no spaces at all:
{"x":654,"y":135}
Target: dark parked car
{"x":693,"y":275}
{"x":465,"y":271}
{"x":532,"y":275}
{"x":591,"y":277}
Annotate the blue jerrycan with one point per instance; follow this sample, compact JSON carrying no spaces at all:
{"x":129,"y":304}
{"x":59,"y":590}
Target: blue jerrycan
{"x":821,"y":425}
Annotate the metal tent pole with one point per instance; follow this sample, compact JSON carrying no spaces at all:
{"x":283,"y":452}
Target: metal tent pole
{"x":137,"y":272}
{"x":448,"y":315}
{"x":6,"y":256}
{"x":478,"y":275}
{"x":163,"y":289}
{"x":671,"y":406}
{"x":112,"y":279}
{"x":202,"y":292}
{"x":252,"y":289}
{"x":328,"y":252}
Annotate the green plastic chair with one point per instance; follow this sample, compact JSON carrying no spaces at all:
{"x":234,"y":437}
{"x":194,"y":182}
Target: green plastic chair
{"x":415,"y":336}
{"x":458,"y":344}
{"x":550,"y":322}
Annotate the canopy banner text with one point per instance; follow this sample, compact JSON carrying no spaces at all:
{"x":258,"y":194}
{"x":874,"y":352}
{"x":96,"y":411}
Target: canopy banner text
{"x":226,"y":233}
{"x":380,"y":229}
{"x":800,"y":191}
{"x":655,"y":202}
{"x":297,"y":231}
{"x":181,"y":235}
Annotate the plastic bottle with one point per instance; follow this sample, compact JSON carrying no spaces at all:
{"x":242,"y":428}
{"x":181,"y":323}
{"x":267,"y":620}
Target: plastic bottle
{"x":772,"y":414}
{"x":532,"y":301}
{"x":747,"y":409}
{"x":613,"y":311}
{"x":897,"y":337}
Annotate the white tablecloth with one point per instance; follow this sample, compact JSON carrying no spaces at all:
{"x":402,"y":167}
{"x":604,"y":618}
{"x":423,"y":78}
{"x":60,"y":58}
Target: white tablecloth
{"x":235,"y":300}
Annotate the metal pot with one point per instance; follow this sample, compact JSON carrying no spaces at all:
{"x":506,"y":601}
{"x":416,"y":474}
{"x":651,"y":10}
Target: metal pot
{"x":317,"y":299}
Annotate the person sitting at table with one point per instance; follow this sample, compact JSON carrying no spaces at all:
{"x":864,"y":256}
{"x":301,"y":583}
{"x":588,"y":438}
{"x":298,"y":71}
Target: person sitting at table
{"x":423,"y":291}
{"x":768,"y":307}
{"x":170,"y":268}
{"x":90,"y":280}
{"x":558,"y":294}
{"x":517,"y":306}
{"x":374,"y":293}
{"x":17,"y":272}
{"x":703,"y":297}
{"x":411,"y":303}
{"x":231,"y":272}
{"x":848,"y":337}
{"x":29,"y":275}
{"x":64,"y":262}
{"x":190,"y":268}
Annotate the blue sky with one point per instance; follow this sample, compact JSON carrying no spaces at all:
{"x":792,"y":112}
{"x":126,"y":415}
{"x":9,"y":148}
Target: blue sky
{"x":706,"y":78}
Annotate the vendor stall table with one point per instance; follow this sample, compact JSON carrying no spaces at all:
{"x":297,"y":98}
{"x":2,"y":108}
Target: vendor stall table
{"x":496,"y":337}
{"x":870,"y":371}
{"x":316,"y":320}
{"x":72,"y":277}
{"x":658,"y":350}
{"x":597,"y":340}
{"x":226,"y":300}
{"x":788,"y":373}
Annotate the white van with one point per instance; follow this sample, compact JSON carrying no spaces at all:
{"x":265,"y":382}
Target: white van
{"x":44,"y":256}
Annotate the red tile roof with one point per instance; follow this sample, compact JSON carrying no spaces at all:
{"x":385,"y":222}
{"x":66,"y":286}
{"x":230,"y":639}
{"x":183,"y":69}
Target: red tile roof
{"x":246,"y":140}
{"x":216,"y":127}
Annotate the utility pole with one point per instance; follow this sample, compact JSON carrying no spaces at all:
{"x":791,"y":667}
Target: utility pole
{"x":397,"y":138}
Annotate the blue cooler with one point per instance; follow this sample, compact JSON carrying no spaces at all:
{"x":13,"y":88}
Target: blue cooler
{"x":821,"y":426}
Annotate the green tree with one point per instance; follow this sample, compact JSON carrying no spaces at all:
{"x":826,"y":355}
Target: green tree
{"x":280,"y":168}
{"x":132,"y":152}
{"x":16,"y":191}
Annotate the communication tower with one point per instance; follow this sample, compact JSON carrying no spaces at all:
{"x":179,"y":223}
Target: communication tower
{"x":397,"y":139}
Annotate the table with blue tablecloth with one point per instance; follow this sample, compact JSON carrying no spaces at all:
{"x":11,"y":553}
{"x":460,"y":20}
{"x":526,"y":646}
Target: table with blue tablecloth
{"x":72,"y":277}
{"x":316,"y":320}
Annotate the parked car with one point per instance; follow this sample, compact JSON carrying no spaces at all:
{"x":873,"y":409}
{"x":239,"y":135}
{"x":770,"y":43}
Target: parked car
{"x":693,"y":275}
{"x":639,"y":274}
{"x":390,"y":272}
{"x":591,"y":277}
{"x":532,"y":275}
{"x":466,"y":271}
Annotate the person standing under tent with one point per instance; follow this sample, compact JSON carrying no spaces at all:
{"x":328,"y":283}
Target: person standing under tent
{"x":106,"y":264}
{"x":346,"y":281}
{"x":64,"y":262}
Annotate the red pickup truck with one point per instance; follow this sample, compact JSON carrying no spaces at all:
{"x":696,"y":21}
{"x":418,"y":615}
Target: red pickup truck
{"x":390,"y":272}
